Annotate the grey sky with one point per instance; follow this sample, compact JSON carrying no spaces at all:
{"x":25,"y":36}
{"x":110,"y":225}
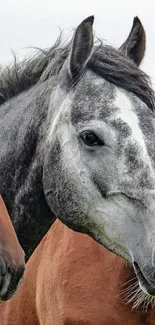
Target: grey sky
{"x":26,"y":23}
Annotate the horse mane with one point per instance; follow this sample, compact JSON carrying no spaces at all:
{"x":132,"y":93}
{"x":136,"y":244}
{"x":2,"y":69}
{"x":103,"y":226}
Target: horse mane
{"x":106,"y":61}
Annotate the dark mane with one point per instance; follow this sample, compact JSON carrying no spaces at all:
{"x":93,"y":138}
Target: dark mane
{"x":106,"y":61}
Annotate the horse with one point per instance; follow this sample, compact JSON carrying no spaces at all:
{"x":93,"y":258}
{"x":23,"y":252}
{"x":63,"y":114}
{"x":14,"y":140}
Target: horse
{"x":12,"y":262}
{"x":77,"y":130}
{"x":70,"y":279}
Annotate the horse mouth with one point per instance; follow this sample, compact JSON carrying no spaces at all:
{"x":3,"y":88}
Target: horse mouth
{"x":10,"y":282}
{"x":143,"y":282}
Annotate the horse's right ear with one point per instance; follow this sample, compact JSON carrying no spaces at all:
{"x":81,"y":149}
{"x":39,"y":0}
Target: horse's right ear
{"x":82,"y":46}
{"x":134,"y":46}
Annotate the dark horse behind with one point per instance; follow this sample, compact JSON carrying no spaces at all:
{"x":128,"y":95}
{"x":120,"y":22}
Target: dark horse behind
{"x":77,"y":130}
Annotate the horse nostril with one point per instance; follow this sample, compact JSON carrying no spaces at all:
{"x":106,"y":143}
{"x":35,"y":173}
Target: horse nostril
{"x":3,"y":267}
{"x":20,"y":273}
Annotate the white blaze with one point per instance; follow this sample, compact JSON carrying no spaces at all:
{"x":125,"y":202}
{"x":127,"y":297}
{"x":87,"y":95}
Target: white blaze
{"x":128,"y":115}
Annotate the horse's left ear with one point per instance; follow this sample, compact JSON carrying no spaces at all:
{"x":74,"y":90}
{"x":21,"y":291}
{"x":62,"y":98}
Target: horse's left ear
{"x":82,"y":46}
{"x":134,"y":46}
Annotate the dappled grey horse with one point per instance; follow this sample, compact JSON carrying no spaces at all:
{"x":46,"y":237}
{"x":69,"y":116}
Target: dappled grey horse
{"x":77,"y":142}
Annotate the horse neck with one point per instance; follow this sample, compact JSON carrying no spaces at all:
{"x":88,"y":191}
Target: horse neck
{"x":78,"y":251}
{"x":25,"y":165}
{"x":99,"y":275}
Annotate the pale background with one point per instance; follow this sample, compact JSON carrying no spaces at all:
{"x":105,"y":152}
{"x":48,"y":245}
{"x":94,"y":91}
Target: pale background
{"x":25,"y":23}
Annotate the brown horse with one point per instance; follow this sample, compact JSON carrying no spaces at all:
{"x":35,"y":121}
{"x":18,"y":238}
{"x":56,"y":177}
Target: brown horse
{"x":11,"y":256}
{"x":71,"y":280}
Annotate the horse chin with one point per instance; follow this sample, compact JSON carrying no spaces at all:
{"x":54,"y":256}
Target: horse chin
{"x":147,"y":288}
{"x":144,"y":283}
{"x":113,"y":247}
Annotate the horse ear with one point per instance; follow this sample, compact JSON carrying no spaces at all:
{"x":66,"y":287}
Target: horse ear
{"x":82,"y":46}
{"x":134,"y":46}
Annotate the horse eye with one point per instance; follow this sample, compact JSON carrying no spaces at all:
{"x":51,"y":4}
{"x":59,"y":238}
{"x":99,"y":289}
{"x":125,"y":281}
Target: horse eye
{"x":91,"y":139}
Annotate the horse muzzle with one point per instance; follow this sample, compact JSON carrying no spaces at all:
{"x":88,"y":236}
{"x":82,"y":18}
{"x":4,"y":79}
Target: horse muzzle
{"x":145,"y":282}
{"x":9,"y":279}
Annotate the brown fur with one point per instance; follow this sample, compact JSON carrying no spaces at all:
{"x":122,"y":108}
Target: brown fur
{"x":71,"y":280}
{"x":10,"y":249}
